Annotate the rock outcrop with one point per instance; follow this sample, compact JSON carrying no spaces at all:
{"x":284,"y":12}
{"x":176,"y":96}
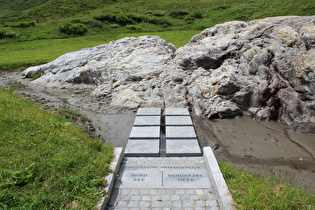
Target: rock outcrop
{"x":265,"y":67}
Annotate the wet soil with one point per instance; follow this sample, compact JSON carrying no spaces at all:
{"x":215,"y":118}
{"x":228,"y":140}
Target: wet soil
{"x":260,"y":147}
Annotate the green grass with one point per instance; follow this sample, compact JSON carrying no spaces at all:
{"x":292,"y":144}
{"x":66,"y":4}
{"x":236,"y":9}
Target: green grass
{"x":43,"y":42}
{"x":252,"y":192}
{"x":45,"y":161}
{"x":20,"y":55}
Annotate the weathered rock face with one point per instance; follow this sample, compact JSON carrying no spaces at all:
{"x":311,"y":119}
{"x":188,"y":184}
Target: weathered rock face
{"x":265,"y":67}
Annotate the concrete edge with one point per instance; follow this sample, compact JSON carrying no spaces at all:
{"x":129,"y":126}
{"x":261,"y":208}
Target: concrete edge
{"x":224,"y":196}
{"x":110,"y":178}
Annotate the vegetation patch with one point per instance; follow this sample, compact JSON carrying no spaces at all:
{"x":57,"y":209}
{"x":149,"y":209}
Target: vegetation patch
{"x":46,"y":161}
{"x":76,"y":29}
{"x":252,"y":192}
{"x":23,"y":24}
{"x":8,"y":35}
{"x":106,"y":20}
{"x":178,"y":13}
{"x":133,"y":28}
{"x":37,"y":75}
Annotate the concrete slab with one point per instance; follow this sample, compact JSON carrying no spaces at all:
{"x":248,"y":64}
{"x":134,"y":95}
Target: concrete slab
{"x":165,"y":176}
{"x":147,"y":120}
{"x":222,"y":191}
{"x":180,"y":132}
{"x":187,"y":147}
{"x":177,"y":111}
{"x":110,"y":178}
{"x":145,"y":147}
{"x":178,"y":120}
{"x":145,"y":132}
{"x":149,"y":111}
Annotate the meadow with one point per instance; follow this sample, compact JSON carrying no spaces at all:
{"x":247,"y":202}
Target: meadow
{"x":42,"y":30}
{"x":46,"y":161}
{"x":252,"y":192}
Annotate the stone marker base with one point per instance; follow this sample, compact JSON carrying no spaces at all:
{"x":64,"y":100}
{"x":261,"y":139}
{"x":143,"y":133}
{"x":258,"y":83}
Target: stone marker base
{"x":143,"y":148}
{"x":166,"y":134}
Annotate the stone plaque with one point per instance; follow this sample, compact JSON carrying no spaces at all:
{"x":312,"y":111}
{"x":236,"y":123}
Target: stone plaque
{"x":178,"y":120}
{"x":148,"y":147}
{"x":180,"y":132}
{"x":147,"y":120}
{"x":182,"y":146}
{"x":164,"y":176}
{"x":177,"y":111}
{"x":149,"y":111}
{"x":145,"y":132}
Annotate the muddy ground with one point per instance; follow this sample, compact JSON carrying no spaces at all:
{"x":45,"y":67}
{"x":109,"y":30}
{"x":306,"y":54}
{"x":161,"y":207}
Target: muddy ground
{"x":259,"y":147}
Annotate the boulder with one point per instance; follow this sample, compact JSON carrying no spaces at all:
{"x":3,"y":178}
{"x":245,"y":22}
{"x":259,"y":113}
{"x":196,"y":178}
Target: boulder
{"x":265,"y":67}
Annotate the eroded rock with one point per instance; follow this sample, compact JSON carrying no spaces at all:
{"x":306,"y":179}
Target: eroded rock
{"x":265,"y":67}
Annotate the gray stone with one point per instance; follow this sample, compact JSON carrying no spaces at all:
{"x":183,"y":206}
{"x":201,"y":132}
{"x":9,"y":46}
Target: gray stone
{"x":175,"y":198}
{"x":122,"y":203}
{"x":144,"y":192}
{"x":166,"y":197}
{"x":144,"y":204}
{"x":182,"y":146}
{"x":133,"y":204}
{"x":180,"y":132}
{"x":143,"y":147}
{"x":200,"y":204}
{"x":135,"y":192}
{"x":145,"y":132}
{"x":166,"y":203}
{"x":149,"y":111}
{"x":157,"y":204}
{"x":125,"y":192}
{"x":177,"y":204}
{"x":178,"y":120}
{"x":224,"y":196}
{"x":189,"y":204}
{"x":177,"y":111}
{"x":146,"y":198}
{"x":165,"y":176}
{"x":224,"y":70}
{"x":147,"y":120}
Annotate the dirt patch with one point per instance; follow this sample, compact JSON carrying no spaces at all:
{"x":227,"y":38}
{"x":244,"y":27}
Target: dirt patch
{"x":262,"y":148}
{"x":111,"y":123}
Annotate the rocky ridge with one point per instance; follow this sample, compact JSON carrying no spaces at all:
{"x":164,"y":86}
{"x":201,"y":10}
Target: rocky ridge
{"x":264,"y":67}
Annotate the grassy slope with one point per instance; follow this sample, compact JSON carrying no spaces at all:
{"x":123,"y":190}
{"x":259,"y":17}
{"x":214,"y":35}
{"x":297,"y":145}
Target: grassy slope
{"x":43,"y":42}
{"x":24,"y":54}
{"x":252,"y":192}
{"x":45,"y":161}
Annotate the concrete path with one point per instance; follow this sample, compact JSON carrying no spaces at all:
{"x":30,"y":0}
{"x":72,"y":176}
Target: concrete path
{"x":186,"y":184}
{"x":163,"y":167}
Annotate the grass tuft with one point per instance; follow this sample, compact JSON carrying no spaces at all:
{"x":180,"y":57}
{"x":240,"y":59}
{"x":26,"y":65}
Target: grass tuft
{"x":46,"y":161}
{"x":252,"y":192}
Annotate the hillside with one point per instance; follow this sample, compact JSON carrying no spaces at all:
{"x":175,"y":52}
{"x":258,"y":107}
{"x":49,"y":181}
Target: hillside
{"x":99,"y":22}
{"x":47,"y":9}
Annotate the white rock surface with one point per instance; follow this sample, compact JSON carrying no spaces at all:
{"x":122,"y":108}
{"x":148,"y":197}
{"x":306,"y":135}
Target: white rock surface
{"x":264,"y":65}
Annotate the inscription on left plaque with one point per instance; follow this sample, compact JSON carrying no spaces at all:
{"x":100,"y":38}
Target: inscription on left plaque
{"x":165,"y":176}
